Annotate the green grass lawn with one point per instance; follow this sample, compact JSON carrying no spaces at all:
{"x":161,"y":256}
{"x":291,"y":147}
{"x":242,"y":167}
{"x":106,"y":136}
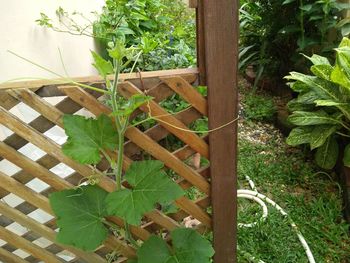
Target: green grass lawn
{"x":312,"y":199}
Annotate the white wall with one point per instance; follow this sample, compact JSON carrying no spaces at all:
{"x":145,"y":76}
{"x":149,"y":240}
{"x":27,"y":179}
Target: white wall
{"x":20,"y":34}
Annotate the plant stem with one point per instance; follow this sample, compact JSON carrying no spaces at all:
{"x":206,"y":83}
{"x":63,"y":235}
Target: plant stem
{"x":129,"y":237}
{"x":118,"y":169}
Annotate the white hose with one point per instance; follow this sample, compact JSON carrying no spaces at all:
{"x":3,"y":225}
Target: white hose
{"x":261,"y":199}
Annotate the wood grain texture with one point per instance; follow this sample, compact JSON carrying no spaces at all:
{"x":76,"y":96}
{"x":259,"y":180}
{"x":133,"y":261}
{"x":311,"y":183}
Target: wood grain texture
{"x":151,"y":147}
{"x":45,"y":232}
{"x":163,"y":117}
{"x":188,"y":93}
{"x":27,"y":246}
{"x":221,"y":56}
{"x":94,"y":79}
{"x":9,"y":257}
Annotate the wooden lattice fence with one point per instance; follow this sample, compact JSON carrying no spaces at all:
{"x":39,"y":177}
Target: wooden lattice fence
{"x":24,"y":204}
{"x":71,"y":99}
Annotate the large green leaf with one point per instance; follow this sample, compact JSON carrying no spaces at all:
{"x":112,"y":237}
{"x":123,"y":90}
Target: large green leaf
{"x":320,"y":134}
{"x":308,"y":97}
{"x":103,"y":66}
{"x":80,"y":213}
{"x":346,"y":158}
{"x":322,"y":71}
{"x":86,"y":137}
{"x":327,"y":155}
{"x":338,"y":76}
{"x":150,"y":186}
{"x":304,"y":118}
{"x":329,"y":103}
{"x":318,"y":60}
{"x":325,"y":89}
{"x":299,"y":86}
{"x":299,"y":135}
{"x":294,"y":105}
{"x":188,"y":247}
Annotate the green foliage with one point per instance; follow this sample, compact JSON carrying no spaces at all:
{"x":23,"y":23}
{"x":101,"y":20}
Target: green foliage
{"x":257,"y":107}
{"x":188,"y":246}
{"x":80,"y":213}
{"x":103,"y":67}
{"x":88,"y":137}
{"x":277,"y":31}
{"x":163,"y":31}
{"x":150,"y":186}
{"x":328,"y":115}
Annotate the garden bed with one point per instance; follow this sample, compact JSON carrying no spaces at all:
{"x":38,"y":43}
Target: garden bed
{"x":287,"y":175}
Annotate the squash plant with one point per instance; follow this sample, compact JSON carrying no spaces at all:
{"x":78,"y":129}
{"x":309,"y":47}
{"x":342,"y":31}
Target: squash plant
{"x":81,"y":212}
{"x":321,"y":111}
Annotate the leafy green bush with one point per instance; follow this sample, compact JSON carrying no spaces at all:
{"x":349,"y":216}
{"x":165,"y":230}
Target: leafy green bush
{"x":162,"y":31}
{"x":279,"y":30}
{"x":322,"y":110}
{"x":258,"y":107}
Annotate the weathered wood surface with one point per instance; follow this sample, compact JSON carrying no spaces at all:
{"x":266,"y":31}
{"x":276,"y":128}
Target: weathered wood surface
{"x":221,"y":56}
{"x":96,"y":79}
{"x":159,"y":85}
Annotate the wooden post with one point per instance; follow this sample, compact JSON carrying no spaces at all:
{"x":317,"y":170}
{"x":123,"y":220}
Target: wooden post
{"x":221,"y":56}
{"x":200,"y":41}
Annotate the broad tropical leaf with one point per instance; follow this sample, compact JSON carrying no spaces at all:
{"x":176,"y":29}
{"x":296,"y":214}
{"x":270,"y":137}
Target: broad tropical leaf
{"x":150,"y":186}
{"x":299,"y":135}
{"x":188,"y":247}
{"x":329,"y":103}
{"x":294,"y":105}
{"x":304,"y":118}
{"x":327,"y":155}
{"x":318,"y":60}
{"x":308,"y":97}
{"x":299,"y":86}
{"x":322,"y":71}
{"x":320,"y":134}
{"x":325,"y":89}
{"x":86,"y":137}
{"x":79,"y":215}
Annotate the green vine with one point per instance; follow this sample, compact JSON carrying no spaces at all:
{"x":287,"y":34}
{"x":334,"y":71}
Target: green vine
{"x":81,"y":212}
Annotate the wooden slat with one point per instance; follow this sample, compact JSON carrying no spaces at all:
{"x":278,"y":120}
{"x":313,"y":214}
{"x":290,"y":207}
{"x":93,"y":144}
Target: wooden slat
{"x":27,"y":246}
{"x":7,"y":101}
{"x":8,"y":257}
{"x":38,"y":104}
{"x":42,"y":202}
{"x":193,"y":3}
{"x":32,"y":167}
{"x":55,"y":116}
{"x":24,"y":192}
{"x":158,"y":132}
{"x":150,"y":146}
{"x":41,"y":124}
{"x":221,"y":56}
{"x":45,"y":232}
{"x":44,"y":143}
{"x":190,"y":138}
{"x":188,"y":93}
{"x":95,"y":79}
{"x":22,"y":129}
{"x":141,"y":139}
{"x":201,"y":59}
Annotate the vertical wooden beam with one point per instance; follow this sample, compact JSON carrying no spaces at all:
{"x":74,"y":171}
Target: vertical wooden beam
{"x":221,"y":55}
{"x":200,"y":42}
